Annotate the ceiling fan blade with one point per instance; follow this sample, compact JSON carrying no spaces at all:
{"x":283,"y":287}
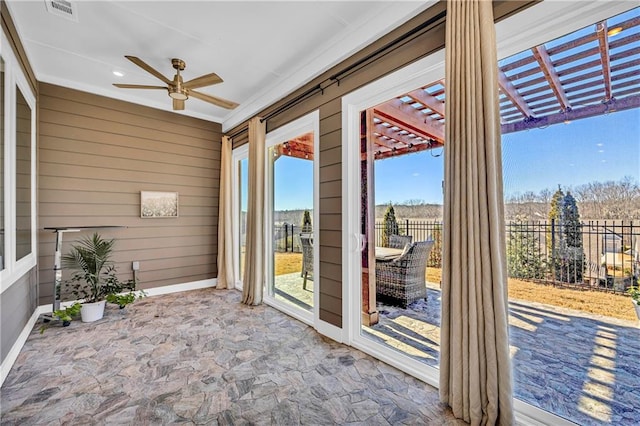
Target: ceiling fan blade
{"x":148,"y":68}
{"x":138,"y":86}
{"x":204,"y":80}
{"x":213,"y":99}
{"x":178,"y":104}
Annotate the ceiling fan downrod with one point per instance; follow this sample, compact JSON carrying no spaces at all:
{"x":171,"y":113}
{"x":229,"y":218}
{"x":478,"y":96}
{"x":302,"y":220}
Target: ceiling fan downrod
{"x":176,"y":91}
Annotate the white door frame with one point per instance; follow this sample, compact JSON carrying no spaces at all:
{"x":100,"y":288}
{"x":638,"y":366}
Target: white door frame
{"x":304,"y":124}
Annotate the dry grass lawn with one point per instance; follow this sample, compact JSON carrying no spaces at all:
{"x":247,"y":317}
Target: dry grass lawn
{"x":288,"y":263}
{"x":594,"y":302}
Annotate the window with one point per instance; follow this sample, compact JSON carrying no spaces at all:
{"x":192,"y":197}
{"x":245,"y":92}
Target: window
{"x":17,"y":171}
{"x":2,"y":179}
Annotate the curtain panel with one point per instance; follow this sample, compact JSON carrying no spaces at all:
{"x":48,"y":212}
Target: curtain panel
{"x":226,"y":272}
{"x":253,"y":280}
{"x":475,"y":367}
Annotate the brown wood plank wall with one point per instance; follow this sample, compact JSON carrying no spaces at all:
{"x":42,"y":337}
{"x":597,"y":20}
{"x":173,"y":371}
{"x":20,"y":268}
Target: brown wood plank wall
{"x":95,"y":156}
{"x":329,"y":104}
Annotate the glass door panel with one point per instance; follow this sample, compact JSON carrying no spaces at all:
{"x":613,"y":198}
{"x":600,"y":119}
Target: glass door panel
{"x":291,"y":200}
{"x":240,"y":177}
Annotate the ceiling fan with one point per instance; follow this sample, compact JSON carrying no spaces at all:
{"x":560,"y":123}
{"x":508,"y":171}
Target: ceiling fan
{"x":178,"y":90}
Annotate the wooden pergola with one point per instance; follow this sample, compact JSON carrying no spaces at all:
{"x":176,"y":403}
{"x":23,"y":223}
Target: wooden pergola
{"x":581,"y":75}
{"x":587,"y":73}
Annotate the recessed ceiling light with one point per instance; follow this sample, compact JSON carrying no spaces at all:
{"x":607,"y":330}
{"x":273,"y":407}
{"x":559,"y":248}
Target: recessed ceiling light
{"x":118,"y":73}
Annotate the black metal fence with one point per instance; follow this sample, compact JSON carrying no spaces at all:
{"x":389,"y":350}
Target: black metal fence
{"x":598,"y":254}
{"x":287,"y":238}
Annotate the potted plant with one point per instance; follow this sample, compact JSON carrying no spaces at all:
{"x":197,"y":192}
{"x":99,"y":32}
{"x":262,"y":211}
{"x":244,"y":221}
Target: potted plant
{"x":65,"y":315}
{"x":634,"y":292}
{"x":94,"y":278}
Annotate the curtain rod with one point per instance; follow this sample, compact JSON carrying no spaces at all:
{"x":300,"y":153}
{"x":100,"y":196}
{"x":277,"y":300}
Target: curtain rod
{"x":301,"y":97}
{"x":239,"y":132}
{"x":345,"y":72}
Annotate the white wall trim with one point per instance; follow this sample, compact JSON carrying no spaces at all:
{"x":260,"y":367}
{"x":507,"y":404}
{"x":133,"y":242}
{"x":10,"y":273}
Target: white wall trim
{"x":329,"y":330}
{"x":177,"y":288}
{"x":528,"y":415}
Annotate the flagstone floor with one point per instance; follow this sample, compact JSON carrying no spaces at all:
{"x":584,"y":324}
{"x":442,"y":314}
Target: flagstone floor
{"x":583,"y":367}
{"x":201,"y":357}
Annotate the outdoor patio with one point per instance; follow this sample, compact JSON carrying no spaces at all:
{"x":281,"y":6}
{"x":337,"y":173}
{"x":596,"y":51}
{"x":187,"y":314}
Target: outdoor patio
{"x":582,"y":367}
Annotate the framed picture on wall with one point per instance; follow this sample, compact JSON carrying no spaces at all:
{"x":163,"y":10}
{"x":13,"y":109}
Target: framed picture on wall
{"x":155,"y":204}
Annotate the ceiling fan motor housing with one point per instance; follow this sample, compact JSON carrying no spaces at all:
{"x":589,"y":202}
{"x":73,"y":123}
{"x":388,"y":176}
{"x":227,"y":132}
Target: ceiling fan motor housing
{"x":176,"y":91}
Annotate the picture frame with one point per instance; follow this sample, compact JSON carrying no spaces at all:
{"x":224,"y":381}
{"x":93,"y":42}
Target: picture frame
{"x":158,"y":204}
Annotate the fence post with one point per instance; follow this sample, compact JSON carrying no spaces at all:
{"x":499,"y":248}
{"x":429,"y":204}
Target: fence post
{"x":407,"y":226}
{"x":286,"y":238}
{"x":553,"y":251}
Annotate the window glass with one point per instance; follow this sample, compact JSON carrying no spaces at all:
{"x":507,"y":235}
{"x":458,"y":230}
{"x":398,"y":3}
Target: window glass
{"x":2,"y":256}
{"x":23,"y":176}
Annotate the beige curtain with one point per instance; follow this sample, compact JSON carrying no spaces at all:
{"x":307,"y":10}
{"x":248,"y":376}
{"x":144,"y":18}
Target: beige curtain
{"x":226,"y":273}
{"x":253,"y":280}
{"x":475,"y":368}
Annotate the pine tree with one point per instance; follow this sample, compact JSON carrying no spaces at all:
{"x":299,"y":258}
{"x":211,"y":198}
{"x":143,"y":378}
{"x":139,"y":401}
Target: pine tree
{"x":524,"y":259}
{"x":571,"y":221}
{"x":571,"y":251}
{"x":568,"y":259}
{"x":554,"y":219}
{"x":390,"y":225}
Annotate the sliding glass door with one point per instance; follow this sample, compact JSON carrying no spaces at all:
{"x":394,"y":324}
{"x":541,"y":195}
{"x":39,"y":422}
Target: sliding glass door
{"x":291,"y":218}
{"x":240,"y":206}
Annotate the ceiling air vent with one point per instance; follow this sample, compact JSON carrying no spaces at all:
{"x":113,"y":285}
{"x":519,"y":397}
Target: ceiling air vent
{"x":63,"y":8}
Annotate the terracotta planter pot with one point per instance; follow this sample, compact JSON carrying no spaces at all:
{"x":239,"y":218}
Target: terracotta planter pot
{"x":91,"y":312}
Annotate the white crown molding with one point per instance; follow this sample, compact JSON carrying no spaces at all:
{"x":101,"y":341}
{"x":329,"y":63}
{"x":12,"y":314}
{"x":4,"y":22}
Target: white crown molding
{"x":360,"y":37}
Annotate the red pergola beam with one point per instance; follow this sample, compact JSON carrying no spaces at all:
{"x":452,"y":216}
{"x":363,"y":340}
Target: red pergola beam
{"x":603,"y":45}
{"x":589,"y":111}
{"x":395,"y":135}
{"x":549,"y":71}
{"x":430,"y":101}
{"x":510,"y":92}
{"x":381,"y":155}
{"x":406,"y":117}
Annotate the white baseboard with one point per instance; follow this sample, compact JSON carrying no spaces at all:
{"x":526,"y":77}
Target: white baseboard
{"x":176,"y":288}
{"x":330,"y":330}
{"x":12,"y":356}
{"x":47,"y":309}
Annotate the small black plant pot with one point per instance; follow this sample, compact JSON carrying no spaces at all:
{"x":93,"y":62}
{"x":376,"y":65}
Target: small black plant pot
{"x":121,"y":306}
{"x":66,"y":323}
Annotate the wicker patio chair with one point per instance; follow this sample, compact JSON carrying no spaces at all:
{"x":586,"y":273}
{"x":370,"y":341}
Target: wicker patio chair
{"x":399,"y":241}
{"x":402,"y":280}
{"x":307,"y":259}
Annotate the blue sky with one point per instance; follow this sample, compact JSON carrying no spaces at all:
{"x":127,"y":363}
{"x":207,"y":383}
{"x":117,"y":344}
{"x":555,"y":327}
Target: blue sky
{"x":594,"y":149}
{"x":601,"y":148}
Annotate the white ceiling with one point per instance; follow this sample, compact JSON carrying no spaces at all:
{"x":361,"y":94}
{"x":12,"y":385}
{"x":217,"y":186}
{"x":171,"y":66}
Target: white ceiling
{"x":263,"y":50}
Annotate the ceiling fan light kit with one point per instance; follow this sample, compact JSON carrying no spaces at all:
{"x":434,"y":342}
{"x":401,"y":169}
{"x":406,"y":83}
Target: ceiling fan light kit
{"x":177,"y":89}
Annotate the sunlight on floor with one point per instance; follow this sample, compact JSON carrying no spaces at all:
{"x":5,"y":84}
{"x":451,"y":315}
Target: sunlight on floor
{"x":513,"y":350}
{"x":517,"y":322}
{"x":535,"y":311}
{"x":597,"y":390}
{"x":400,"y":346}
